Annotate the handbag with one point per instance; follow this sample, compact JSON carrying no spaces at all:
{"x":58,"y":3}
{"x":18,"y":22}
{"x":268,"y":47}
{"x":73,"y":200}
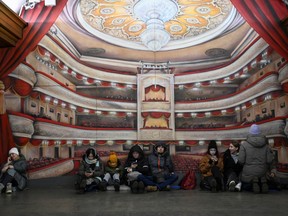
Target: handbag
{"x":189,"y":181}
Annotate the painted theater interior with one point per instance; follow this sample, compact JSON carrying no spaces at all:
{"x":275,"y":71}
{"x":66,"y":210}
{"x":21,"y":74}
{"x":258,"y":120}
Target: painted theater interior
{"x":114,"y":73}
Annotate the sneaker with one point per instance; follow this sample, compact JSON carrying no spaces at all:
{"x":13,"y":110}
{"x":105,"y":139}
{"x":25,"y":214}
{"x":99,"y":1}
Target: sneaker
{"x":264,"y":185}
{"x":213,"y":186}
{"x":151,"y":188}
{"x":141,"y":187}
{"x":9,"y":188}
{"x":255,"y":185}
{"x":117,"y":186}
{"x":232,"y":185}
{"x":238,"y":187}
{"x":134,"y":187}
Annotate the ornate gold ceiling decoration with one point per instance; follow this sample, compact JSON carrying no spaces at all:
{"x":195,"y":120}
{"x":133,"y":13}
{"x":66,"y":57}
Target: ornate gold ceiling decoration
{"x":116,"y":19}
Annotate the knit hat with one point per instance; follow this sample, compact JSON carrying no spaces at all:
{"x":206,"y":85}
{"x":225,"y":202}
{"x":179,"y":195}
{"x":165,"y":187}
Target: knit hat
{"x":113,"y":160}
{"x":14,"y":150}
{"x":254,"y":129}
{"x":212,"y":144}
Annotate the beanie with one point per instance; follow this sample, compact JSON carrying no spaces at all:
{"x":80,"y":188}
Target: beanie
{"x":113,"y":159}
{"x":212,"y":144}
{"x":14,"y":150}
{"x":254,"y":129}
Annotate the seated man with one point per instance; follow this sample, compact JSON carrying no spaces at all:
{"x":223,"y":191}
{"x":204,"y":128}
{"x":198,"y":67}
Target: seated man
{"x":162,"y":169}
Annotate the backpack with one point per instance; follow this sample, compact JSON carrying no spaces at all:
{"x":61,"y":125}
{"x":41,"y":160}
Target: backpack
{"x":189,"y":181}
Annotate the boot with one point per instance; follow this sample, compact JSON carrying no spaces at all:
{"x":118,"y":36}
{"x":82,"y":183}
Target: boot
{"x":141,"y":187}
{"x":103,"y":186}
{"x":213,"y":186}
{"x":134,"y":187}
{"x":117,"y":186}
{"x":255,"y":185}
{"x":264,"y":185}
{"x":1,"y":187}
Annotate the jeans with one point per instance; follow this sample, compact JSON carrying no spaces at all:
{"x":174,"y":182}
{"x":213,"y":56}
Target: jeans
{"x":148,"y":180}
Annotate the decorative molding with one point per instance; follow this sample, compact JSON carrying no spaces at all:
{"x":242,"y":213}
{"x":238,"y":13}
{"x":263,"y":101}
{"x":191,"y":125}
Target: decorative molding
{"x":11,"y":27}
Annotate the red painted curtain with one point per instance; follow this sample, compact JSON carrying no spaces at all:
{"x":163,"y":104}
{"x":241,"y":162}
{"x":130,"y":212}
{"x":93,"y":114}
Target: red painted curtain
{"x":40,"y":19}
{"x":265,"y":16}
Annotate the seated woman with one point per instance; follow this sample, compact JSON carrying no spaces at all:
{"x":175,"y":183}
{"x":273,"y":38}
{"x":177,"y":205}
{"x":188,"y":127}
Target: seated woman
{"x":135,"y":165}
{"x":211,"y":166}
{"x":232,"y":167}
{"x":91,"y":173}
{"x":162,"y":169}
{"x":13,"y":173}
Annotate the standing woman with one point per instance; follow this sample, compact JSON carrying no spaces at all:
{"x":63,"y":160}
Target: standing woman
{"x":13,"y":173}
{"x":211,"y":167}
{"x":232,"y":167}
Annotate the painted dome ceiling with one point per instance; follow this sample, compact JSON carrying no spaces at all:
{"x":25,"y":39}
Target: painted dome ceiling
{"x":193,"y":22}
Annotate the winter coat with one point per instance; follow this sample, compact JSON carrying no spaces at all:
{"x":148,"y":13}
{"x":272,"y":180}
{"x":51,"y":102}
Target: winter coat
{"x":205,"y":165}
{"x":256,"y":157}
{"x":230,"y":165}
{"x":113,"y":170}
{"x":20,"y":166}
{"x":97,"y":168}
{"x":142,"y":163}
{"x":160,"y":162}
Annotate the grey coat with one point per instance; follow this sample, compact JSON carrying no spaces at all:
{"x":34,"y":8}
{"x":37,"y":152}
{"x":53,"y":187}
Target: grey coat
{"x":256,"y":157}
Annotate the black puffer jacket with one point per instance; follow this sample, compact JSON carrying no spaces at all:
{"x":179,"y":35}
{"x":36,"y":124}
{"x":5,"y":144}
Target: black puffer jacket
{"x":142,"y":163}
{"x":230,"y":165}
{"x":20,"y":166}
{"x":165,"y":164}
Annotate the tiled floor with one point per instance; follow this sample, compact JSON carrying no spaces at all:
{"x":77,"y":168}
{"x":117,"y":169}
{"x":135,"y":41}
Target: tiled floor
{"x":56,"y":196}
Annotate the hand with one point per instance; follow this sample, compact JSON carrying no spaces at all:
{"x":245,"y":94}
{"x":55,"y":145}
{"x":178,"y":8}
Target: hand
{"x":134,"y":165}
{"x":88,"y":174}
{"x":10,"y":167}
{"x":9,"y":160}
{"x":129,"y":169}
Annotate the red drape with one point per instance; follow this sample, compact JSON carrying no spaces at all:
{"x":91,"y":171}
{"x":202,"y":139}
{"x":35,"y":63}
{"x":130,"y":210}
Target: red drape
{"x":6,"y":137}
{"x":40,"y":19}
{"x":264,"y":16}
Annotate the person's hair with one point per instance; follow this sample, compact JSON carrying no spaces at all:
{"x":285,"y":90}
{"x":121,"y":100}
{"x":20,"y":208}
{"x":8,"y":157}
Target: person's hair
{"x":212,"y":144}
{"x":236,"y":144}
{"x":91,"y":151}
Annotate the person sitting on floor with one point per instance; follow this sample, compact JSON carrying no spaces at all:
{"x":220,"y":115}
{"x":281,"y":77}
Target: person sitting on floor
{"x":256,"y":157}
{"x":232,"y":167}
{"x":162,"y":169}
{"x":13,"y":173}
{"x":113,"y":171}
{"x":211,"y":167}
{"x":135,"y":165}
{"x":91,"y":172}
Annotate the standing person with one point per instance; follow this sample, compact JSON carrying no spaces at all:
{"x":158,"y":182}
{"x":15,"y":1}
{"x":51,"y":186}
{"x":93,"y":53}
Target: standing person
{"x":113,"y":171}
{"x":91,"y":172}
{"x":162,"y":169}
{"x":135,"y":165}
{"x":13,"y":173}
{"x":232,"y":167}
{"x":256,"y":157}
{"x":211,"y":167}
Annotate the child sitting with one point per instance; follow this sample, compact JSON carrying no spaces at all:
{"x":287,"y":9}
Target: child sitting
{"x":113,"y":171}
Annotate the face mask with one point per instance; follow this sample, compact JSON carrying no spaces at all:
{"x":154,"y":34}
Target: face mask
{"x":212,"y":151}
